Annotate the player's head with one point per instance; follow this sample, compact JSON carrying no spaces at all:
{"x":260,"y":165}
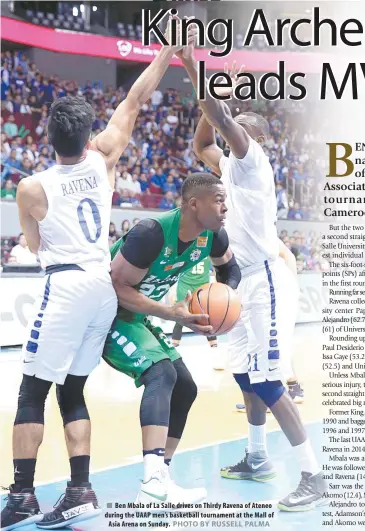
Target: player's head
{"x":203,"y":196}
{"x":255,"y":125}
{"x":69,"y":125}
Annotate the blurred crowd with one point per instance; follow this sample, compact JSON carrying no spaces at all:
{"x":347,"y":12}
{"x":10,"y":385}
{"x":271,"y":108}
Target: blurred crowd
{"x":152,"y":169}
{"x":307,"y":250}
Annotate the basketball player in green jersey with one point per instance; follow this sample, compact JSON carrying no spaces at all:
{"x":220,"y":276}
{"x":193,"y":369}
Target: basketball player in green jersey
{"x":147,"y":261}
{"x":191,"y":281}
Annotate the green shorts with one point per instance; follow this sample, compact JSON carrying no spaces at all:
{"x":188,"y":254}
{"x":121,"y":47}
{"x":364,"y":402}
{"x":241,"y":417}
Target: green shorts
{"x":133,"y":347}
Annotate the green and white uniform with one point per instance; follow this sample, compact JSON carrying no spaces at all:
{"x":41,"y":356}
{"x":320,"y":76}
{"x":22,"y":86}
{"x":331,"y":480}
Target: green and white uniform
{"x":133,"y":343}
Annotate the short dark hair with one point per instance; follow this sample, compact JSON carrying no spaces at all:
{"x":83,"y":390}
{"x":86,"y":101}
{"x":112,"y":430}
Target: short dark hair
{"x":197,"y":182}
{"x":69,"y":125}
{"x":254,"y":119}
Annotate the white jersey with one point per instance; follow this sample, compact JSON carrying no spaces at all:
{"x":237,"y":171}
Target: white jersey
{"x":251,"y":203}
{"x":76,"y":227}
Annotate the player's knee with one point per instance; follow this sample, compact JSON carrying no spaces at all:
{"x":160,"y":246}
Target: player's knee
{"x":71,"y":400}
{"x":159,"y":381}
{"x":243,"y":381}
{"x":269,"y":392}
{"x":185,"y":388}
{"x":161,"y":375}
{"x":32,"y":397}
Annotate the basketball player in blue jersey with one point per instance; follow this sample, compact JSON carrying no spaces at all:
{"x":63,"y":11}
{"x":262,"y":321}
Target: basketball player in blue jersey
{"x":65,"y":214}
{"x":266,"y":290}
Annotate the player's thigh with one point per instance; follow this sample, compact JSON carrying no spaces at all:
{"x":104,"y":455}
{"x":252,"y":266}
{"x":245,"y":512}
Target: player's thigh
{"x":268,"y":328}
{"x":164,"y":341}
{"x":238,"y":336}
{"x":60,"y":319}
{"x":90,"y":351}
{"x":132,"y":348}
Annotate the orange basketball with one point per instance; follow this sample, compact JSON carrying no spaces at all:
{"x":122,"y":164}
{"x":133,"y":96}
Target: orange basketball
{"x":220,"y":302}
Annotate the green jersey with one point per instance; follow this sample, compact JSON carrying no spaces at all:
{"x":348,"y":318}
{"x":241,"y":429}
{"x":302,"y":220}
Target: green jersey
{"x":169,"y":266}
{"x":198,"y":275}
{"x":193,"y":279}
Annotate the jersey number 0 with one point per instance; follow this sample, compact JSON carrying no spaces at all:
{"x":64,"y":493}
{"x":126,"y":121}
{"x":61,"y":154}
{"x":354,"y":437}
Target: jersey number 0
{"x":96,"y":216}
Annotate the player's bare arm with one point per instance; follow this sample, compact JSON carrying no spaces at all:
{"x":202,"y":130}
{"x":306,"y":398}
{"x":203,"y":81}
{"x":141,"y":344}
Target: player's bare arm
{"x":205,"y":145}
{"x":288,"y":256}
{"x":217,"y":112}
{"x":30,"y":197}
{"x":125,"y":276}
{"x":114,"y":139}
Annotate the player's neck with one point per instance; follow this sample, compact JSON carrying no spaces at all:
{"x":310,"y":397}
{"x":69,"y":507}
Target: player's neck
{"x":69,"y":161}
{"x":189,"y":229}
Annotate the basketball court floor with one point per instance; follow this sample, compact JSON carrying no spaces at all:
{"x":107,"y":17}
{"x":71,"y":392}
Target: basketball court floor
{"x":214,"y":436}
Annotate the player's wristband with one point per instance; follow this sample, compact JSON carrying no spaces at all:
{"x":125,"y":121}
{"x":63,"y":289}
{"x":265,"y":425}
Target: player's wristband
{"x":229,"y":273}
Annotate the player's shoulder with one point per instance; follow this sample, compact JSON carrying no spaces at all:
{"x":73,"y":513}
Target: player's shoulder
{"x":148,"y":225}
{"x":29,"y":193}
{"x":255,"y":155}
{"x":29,"y":186}
{"x":145,"y":229}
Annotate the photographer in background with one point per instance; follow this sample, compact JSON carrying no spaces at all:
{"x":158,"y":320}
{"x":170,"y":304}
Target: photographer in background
{"x":21,"y":254}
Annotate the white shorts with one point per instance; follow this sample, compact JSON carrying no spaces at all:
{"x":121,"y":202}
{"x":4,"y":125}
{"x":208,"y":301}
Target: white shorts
{"x":72,"y":317}
{"x":261,"y":342}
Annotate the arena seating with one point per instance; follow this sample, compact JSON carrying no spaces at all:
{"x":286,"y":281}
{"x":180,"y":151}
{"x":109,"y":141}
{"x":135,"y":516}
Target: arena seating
{"x":160,"y":154}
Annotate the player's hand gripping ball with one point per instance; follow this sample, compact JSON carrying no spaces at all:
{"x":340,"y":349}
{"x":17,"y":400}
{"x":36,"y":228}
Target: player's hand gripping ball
{"x":218,"y":301}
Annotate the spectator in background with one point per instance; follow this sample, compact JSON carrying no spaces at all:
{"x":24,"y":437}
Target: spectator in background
{"x":156,"y":99}
{"x":295,"y":212}
{"x":10,"y":127}
{"x":17,"y":103}
{"x":12,"y":160}
{"x":135,"y":186}
{"x":21,"y":254}
{"x":5,"y":146}
{"x":167,"y":202}
{"x":47,"y":93}
{"x":144,"y":184}
{"x":135,"y":221}
{"x":25,"y":108}
{"x":7,"y":104}
{"x":8,"y":192}
{"x":169,"y":186}
{"x":125,"y":227}
{"x":113,"y":231}
{"x":34,"y":104}
{"x":26,"y":165}
{"x":281,"y":201}
{"x":123,"y":182}
{"x":124,"y":200}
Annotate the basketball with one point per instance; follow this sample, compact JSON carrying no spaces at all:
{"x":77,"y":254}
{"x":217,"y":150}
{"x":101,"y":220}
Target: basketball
{"x":218,"y":301}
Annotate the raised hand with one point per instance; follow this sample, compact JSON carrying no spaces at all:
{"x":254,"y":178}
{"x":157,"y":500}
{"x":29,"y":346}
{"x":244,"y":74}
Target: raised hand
{"x":178,"y":50}
{"x":233,"y":73}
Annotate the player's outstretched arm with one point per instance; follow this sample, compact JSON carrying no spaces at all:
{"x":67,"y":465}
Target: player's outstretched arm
{"x":114,"y":139}
{"x":217,"y":112}
{"x":205,"y":145}
{"x":224,"y":261}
